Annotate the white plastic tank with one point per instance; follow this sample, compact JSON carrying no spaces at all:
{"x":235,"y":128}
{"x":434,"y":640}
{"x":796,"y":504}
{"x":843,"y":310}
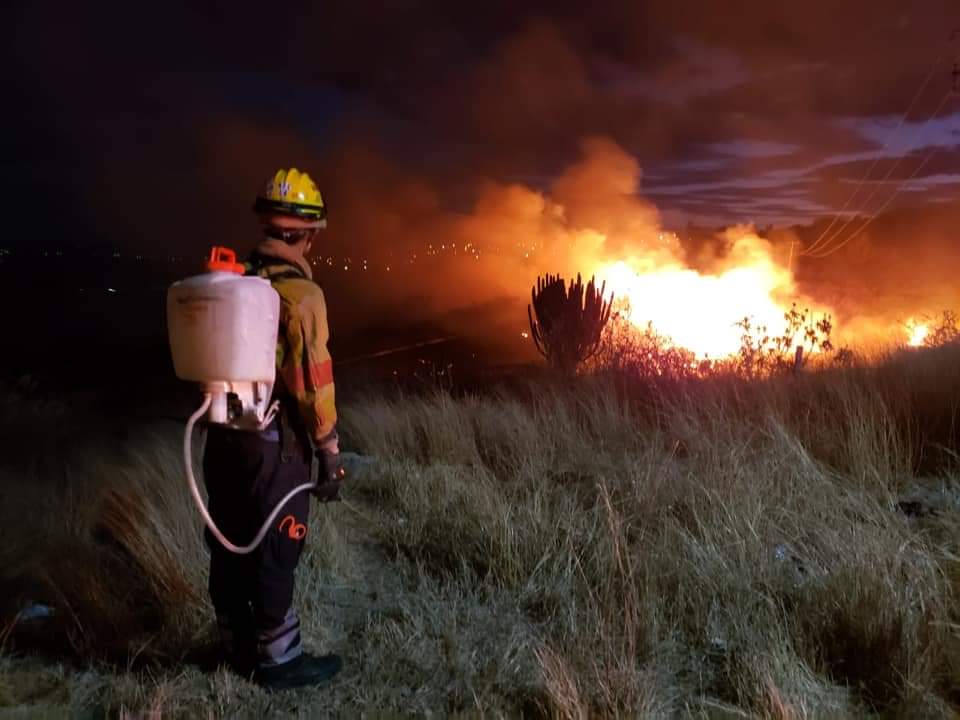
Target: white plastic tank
{"x":223,"y":334}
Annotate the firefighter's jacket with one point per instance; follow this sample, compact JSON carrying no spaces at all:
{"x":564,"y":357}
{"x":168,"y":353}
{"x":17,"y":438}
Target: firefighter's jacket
{"x":304,"y":365}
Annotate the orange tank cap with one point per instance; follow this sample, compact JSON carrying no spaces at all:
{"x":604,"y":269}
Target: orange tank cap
{"x":224,"y":260}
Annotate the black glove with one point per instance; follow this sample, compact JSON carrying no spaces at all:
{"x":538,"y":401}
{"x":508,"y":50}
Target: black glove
{"x":330,"y":476}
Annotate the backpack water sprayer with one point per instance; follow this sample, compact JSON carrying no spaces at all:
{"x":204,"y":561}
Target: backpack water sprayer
{"x":222,"y":329}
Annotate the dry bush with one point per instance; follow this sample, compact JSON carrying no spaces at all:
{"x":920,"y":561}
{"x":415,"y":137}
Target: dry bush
{"x":628,"y":352}
{"x":945,"y":330}
{"x":109,"y":541}
{"x":762,"y":353}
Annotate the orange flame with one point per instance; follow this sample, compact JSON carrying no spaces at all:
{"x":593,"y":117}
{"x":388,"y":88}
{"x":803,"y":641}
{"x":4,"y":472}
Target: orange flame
{"x":701,"y":310}
{"x":917,"y":333}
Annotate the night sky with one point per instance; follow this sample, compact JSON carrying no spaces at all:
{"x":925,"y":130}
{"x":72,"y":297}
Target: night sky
{"x":147,"y":128}
{"x":139,"y":122}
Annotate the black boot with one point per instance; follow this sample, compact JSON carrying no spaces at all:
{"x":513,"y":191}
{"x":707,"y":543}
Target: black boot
{"x":301,"y":671}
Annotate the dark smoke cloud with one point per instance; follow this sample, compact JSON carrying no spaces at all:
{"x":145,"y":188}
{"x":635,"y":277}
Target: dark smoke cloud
{"x":554,"y":125}
{"x":903,"y":265}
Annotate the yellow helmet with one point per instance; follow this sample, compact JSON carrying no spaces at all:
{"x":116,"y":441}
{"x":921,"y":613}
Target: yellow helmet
{"x":291,"y":192}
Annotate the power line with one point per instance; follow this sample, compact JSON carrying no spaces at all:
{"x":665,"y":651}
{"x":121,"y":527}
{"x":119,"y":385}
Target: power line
{"x":856,"y":234}
{"x":394,"y":351}
{"x":816,"y":244}
{"x":826,"y":253}
{"x":819,"y":252}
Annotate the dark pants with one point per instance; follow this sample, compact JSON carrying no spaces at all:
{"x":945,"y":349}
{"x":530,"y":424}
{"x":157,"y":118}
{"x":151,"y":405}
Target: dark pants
{"x":253,"y":594}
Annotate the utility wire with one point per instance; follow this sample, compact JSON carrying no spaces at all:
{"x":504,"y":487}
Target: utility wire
{"x":394,"y":351}
{"x":830,"y":251}
{"x":827,"y":253}
{"x":814,"y":252}
{"x":822,"y":253}
{"x":816,"y":244}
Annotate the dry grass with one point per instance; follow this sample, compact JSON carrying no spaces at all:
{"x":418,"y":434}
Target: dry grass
{"x":656,"y":549}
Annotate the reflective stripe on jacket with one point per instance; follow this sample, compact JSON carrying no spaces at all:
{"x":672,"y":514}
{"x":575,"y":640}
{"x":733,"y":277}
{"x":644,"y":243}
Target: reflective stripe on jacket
{"x":304,"y":365}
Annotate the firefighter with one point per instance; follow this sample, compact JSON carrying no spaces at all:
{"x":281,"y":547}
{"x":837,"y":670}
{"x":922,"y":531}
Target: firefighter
{"x":247,"y":473}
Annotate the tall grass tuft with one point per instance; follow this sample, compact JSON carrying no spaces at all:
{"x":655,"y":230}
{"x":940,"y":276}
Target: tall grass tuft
{"x":654,"y":546}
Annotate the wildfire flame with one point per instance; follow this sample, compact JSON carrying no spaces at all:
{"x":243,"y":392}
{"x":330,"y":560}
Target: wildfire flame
{"x":701,"y":311}
{"x":917,"y":333}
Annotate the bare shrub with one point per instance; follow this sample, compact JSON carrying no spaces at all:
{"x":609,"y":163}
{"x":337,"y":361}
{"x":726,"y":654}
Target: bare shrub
{"x":762,"y":353}
{"x":946,"y":330}
{"x":642,"y":354}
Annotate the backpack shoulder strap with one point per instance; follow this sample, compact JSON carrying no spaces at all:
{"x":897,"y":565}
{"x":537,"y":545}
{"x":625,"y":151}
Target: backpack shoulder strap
{"x":286,"y":275}
{"x":258,"y":264}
